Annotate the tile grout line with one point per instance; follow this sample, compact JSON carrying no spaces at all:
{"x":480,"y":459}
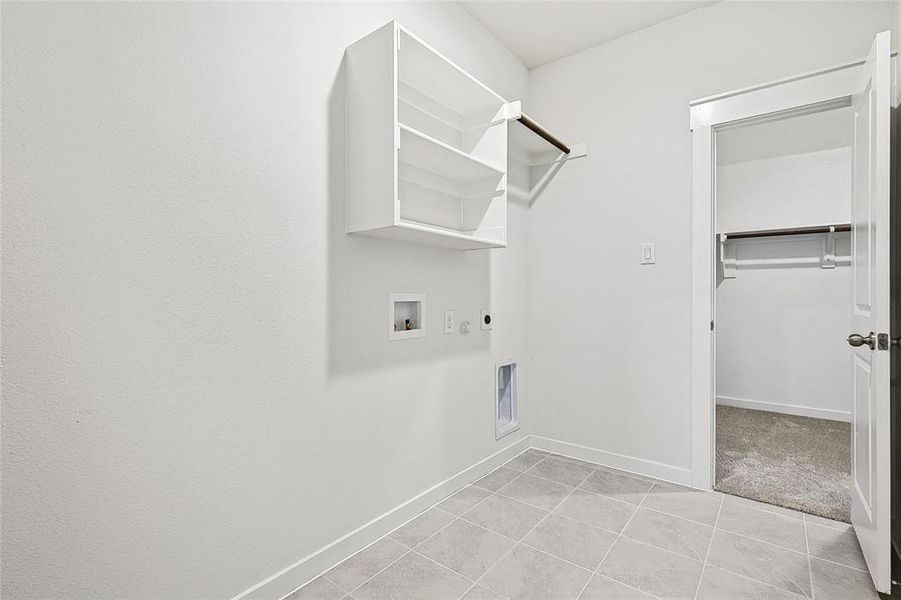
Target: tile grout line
{"x":758,"y":582}
{"x":595,"y":468}
{"x":408,"y":548}
{"x":625,"y":585}
{"x":434,"y":506}
{"x":510,"y":551}
{"x":490,"y":494}
{"x":664,"y":550}
{"x":692,"y":521}
{"x":805,"y":524}
{"x":748,"y":537}
{"x":778,"y":547}
{"x":388,"y":536}
{"x":460,"y":518}
{"x":351,"y":591}
{"x":443,"y":566}
{"x":503,"y":535}
{"x":709,"y":547}
{"x":838,"y":564}
{"x":550,"y":513}
{"x":516,"y":542}
{"x":718,"y":527}
{"x":769,"y":585}
{"x":616,"y":541}
{"x":809,"y":566}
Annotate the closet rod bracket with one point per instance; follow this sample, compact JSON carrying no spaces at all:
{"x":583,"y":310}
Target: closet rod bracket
{"x":727,"y":257}
{"x":829,"y":249}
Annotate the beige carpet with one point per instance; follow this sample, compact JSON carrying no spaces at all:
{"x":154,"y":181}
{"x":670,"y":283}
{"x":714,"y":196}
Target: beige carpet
{"x":795,"y":462}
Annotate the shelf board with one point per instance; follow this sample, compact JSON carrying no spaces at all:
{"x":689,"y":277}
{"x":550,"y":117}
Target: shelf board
{"x":411,"y":231}
{"x":441,"y":78}
{"x":426,"y":152}
{"x":451,"y":238}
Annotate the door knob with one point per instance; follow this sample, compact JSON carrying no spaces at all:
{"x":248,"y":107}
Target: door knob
{"x":858,"y":340}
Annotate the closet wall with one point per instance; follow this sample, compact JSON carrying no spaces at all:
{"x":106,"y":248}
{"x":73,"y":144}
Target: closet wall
{"x":781,"y":325}
{"x":198,"y":386}
{"x":611,"y":338}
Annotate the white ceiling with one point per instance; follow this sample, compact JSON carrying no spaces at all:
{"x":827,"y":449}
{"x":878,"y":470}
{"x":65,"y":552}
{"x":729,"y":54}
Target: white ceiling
{"x":541,"y":31}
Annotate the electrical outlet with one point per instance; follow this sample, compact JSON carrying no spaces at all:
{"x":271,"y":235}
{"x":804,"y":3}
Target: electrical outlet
{"x":648,"y":253}
{"x":448,"y":321}
{"x":485,"y":319}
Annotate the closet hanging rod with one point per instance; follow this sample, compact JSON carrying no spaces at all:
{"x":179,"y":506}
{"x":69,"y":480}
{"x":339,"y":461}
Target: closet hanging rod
{"x":544,"y":133}
{"x":737,"y":235}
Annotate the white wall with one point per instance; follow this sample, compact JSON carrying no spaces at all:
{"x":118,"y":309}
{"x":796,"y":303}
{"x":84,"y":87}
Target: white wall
{"x":611,"y":338}
{"x":785,"y":173}
{"x":780,"y":332}
{"x":198,"y":386}
{"x":781,"y":326}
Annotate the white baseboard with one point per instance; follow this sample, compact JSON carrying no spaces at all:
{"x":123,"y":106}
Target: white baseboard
{"x":308,"y":568}
{"x":786,"y":409}
{"x":640,"y":466}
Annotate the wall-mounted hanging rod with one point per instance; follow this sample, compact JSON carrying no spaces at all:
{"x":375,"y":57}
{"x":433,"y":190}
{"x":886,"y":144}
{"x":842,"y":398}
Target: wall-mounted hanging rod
{"x":737,"y":235}
{"x":544,"y":133}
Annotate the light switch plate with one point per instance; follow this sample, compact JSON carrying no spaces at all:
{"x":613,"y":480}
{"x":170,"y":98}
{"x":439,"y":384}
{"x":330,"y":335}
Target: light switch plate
{"x":648,"y":253}
{"x":448,"y":321}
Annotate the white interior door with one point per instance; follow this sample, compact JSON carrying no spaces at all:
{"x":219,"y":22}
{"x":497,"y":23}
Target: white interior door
{"x":870,"y":410}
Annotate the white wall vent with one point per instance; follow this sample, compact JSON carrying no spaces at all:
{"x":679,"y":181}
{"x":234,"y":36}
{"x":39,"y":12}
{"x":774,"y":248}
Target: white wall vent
{"x":506,"y":399}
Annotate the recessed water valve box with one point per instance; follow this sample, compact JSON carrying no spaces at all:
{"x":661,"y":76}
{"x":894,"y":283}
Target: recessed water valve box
{"x":406,"y":316}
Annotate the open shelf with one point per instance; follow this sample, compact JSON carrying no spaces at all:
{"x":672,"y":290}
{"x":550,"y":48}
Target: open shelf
{"x":425,"y":69}
{"x":480,"y":135}
{"x":450,"y":238}
{"x":433,"y":155}
{"x":427,"y":146}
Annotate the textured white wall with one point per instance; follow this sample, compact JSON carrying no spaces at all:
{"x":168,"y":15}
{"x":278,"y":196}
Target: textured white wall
{"x":780,"y":334}
{"x":611,"y":338}
{"x":198,"y":386}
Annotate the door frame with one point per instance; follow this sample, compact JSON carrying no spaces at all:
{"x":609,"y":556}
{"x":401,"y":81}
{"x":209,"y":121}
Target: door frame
{"x":813,"y":91}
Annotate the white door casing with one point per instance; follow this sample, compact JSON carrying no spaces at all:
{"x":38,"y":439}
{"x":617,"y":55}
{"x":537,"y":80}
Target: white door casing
{"x":870,"y":307}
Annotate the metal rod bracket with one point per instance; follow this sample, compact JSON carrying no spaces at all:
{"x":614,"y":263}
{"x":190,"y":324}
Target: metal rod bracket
{"x":829,"y":249}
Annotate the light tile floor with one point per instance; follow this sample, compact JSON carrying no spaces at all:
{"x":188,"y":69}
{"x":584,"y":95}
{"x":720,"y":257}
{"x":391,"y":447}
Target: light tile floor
{"x":549,"y":527}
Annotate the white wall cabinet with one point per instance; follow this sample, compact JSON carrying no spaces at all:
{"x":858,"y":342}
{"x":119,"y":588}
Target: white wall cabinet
{"x":426,"y":146}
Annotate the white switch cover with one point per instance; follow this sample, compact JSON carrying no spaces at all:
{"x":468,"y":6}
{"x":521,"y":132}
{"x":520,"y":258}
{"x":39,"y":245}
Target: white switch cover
{"x":448,"y":321}
{"x":648,"y":253}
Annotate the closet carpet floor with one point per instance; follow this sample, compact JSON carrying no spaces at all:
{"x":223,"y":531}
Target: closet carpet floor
{"x":549,"y":527}
{"x":794,"y":462}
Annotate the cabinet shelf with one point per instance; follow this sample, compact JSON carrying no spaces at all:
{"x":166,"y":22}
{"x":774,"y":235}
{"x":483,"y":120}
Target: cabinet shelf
{"x":427,"y":146}
{"x":433,"y":155}
{"x":432,"y":74}
{"x":448,"y":237}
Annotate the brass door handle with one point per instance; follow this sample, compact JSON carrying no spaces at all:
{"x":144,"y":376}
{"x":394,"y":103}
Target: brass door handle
{"x":857,"y":340}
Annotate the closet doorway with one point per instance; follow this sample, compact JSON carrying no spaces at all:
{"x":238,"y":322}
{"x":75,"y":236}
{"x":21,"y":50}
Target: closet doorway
{"x":864,"y":88}
{"x":783,"y":289}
